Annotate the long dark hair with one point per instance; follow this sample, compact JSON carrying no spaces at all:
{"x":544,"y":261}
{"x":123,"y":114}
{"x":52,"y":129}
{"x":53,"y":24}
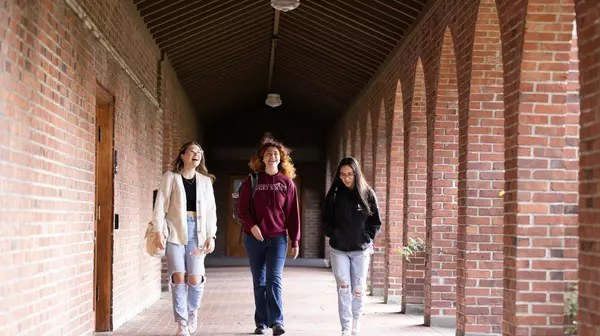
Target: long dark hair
{"x":362,"y":189}
{"x":177,"y":163}
{"x":286,"y":166}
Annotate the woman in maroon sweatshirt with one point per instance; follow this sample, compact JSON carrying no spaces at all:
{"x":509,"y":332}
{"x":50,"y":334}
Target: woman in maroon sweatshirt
{"x":269,"y":218}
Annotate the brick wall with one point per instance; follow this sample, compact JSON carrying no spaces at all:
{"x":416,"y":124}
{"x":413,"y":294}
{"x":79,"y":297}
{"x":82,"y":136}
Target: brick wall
{"x":312,"y":178}
{"x":51,"y":63}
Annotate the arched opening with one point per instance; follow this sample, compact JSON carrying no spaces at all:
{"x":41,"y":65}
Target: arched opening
{"x":395,"y":177}
{"x":378,"y":268}
{"x":366,"y":158}
{"x":357,"y":148}
{"x":348,"y":150}
{"x":481,"y":180}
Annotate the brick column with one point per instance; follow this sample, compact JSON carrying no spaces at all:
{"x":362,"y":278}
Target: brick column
{"x":415,"y":175}
{"x":540,"y":243}
{"x":442,"y":206}
{"x":588,"y":30}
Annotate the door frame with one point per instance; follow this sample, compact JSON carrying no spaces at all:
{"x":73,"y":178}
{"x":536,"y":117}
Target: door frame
{"x":104,"y":211}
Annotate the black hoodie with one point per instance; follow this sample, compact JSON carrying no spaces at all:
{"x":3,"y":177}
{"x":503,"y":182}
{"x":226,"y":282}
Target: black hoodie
{"x":346,"y":224}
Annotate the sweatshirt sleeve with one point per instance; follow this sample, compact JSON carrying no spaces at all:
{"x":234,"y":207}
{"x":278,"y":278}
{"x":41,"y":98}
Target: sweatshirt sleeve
{"x":373,"y":223}
{"x":292,"y":222}
{"x":327,"y":214}
{"x":211,"y":214}
{"x":161,"y":205}
{"x":244,"y":204}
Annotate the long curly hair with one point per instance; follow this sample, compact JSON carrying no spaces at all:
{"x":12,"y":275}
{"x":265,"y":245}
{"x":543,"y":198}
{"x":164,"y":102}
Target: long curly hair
{"x":177,"y":163}
{"x":286,"y":166}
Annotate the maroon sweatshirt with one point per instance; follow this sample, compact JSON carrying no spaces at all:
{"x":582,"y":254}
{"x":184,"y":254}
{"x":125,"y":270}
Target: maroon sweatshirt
{"x":275,"y":207}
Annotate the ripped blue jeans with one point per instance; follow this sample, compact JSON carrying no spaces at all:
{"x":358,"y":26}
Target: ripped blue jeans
{"x":182,"y":259}
{"x":350,"y":270}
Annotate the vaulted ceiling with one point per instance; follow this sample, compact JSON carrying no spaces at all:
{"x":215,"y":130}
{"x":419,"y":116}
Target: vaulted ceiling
{"x":326,"y":50}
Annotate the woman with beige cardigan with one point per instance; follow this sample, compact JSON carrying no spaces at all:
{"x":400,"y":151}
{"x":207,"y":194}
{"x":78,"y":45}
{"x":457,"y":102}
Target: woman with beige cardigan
{"x":186,"y":205}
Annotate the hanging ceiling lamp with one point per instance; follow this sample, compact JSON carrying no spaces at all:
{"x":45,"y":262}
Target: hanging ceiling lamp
{"x":273,"y":100}
{"x":285,"y":5}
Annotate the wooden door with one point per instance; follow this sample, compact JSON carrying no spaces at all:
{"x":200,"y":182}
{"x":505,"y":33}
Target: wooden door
{"x":103,"y":216}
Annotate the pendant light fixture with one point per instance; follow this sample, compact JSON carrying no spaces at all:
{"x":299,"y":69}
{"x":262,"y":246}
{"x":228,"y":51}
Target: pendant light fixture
{"x":274,"y":99}
{"x":285,"y":5}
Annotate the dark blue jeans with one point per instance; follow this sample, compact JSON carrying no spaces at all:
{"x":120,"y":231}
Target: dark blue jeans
{"x":266,"y":264}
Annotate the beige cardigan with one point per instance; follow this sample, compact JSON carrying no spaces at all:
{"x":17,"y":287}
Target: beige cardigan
{"x":170,"y":208}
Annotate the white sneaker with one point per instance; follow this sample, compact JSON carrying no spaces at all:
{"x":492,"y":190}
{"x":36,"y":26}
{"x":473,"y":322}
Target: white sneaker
{"x":193,"y":321}
{"x":182,"y":328}
{"x":355,"y":327}
{"x":346,"y":332}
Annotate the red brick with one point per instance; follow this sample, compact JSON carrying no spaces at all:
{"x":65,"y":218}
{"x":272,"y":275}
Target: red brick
{"x":54,"y":127}
{"x":588,"y":23}
{"x":552,"y":65}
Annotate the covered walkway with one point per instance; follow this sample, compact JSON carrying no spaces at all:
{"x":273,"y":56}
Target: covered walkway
{"x":476,"y":122}
{"x":310,"y":306}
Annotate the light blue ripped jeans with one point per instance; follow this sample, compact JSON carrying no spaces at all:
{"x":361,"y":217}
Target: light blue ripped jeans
{"x":180,"y":259}
{"x":350,"y":269}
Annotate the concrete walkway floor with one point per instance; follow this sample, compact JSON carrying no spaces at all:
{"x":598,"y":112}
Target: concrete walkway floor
{"x":310,"y":308}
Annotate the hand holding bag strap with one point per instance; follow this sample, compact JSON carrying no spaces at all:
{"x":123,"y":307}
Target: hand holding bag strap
{"x":170,"y":194}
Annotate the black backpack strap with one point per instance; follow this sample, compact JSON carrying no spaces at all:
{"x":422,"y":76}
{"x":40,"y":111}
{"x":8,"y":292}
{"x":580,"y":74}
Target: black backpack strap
{"x":254,"y":181}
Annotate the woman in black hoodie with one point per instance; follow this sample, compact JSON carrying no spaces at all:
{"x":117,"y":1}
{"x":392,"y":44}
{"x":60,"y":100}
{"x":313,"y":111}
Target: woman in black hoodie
{"x":351,"y":221}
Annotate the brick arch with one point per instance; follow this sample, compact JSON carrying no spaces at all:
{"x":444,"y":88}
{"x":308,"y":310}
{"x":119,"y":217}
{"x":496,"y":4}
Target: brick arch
{"x":442,"y":180}
{"x":588,"y":25}
{"x":540,"y":149}
{"x":415,"y":163}
{"x":481,"y":168}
